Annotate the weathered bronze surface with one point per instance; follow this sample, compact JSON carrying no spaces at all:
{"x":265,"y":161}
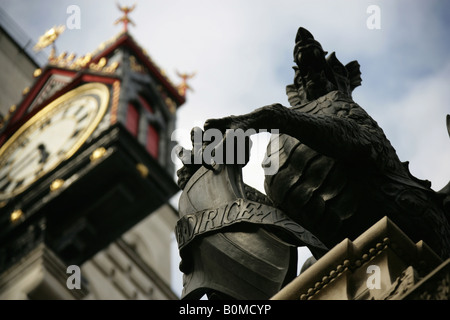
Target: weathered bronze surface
{"x":338,"y":173}
{"x":232,"y":246}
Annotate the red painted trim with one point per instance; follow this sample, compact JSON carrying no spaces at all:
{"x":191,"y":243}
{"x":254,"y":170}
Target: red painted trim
{"x":20,"y":117}
{"x":36,"y":88}
{"x":110,"y":49}
{"x":128,"y":41}
{"x":97,"y":78}
{"x":154,"y":70}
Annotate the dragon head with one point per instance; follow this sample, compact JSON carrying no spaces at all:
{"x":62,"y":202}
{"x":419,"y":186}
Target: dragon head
{"x":316,"y":74}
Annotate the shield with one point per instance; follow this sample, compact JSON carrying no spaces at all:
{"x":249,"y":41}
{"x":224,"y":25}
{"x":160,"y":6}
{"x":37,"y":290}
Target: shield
{"x":232,"y":247}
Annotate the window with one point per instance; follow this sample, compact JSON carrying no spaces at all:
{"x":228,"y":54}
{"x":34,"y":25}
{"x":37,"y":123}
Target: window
{"x":152,"y":136}
{"x":152,"y":144}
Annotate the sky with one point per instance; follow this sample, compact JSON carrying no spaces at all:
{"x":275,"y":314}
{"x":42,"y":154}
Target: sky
{"x":241,"y":53}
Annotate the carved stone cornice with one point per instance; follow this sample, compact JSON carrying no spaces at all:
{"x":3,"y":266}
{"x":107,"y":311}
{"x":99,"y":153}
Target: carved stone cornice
{"x":343,"y":273}
{"x":40,"y":275}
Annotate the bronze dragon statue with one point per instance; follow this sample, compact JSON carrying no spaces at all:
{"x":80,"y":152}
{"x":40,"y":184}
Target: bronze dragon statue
{"x":338,"y":173}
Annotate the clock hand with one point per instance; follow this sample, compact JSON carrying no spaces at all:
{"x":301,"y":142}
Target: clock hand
{"x":43,"y":153}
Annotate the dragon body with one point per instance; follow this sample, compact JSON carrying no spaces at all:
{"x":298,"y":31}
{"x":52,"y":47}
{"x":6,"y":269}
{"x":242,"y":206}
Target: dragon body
{"x":338,"y":173}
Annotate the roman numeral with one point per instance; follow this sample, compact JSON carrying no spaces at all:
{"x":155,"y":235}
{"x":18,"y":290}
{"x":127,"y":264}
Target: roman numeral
{"x":83,"y":117}
{"x":19,"y":184}
{"x":78,"y":110}
{"x":45,"y":124}
{"x":75,"y":134}
{"x":23,"y":142}
{"x":5,"y":186}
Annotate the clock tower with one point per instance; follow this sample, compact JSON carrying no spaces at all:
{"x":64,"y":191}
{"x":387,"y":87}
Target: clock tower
{"x":84,"y":158}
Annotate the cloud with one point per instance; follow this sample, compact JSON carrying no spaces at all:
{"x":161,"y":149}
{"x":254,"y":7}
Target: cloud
{"x":242,"y":51}
{"x":416,"y":126}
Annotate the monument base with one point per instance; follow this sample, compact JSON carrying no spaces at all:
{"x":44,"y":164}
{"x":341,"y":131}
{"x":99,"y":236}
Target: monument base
{"x":381,"y":264}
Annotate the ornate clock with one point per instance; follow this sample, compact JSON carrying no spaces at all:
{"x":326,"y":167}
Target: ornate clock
{"x":92,"y":163}
{"x":51,"y":136}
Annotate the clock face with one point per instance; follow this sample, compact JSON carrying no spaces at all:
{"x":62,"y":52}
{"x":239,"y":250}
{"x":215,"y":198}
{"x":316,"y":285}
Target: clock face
{"x":51,"y":136}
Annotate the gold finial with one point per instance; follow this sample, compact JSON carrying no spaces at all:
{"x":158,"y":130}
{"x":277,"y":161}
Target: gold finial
{"x":37,"y":72}
{"x":183,"y":86}
{"x":70,"y":58}
{"x":125,"y":19}
{"x":99,"y":65}
{"x":49,"y":37}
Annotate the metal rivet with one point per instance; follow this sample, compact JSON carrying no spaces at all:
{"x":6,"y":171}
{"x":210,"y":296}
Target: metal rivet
{"x":16,"y":215}
{"x":97,"y":154}
{"x":57,"y":184}
{"x":143,"y":170}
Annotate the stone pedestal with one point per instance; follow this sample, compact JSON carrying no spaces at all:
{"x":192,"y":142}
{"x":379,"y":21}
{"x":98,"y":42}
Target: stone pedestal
{"x":381,"y":264}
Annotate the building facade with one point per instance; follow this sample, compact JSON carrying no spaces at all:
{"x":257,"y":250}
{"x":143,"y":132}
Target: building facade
{"x":86,"y":172}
